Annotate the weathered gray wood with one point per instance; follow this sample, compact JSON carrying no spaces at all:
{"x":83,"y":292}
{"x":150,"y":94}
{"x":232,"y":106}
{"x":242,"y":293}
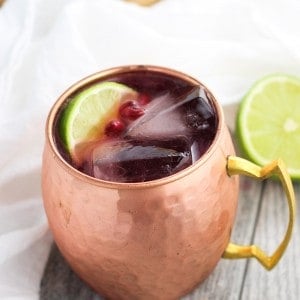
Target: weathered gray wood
{"x":284,"y":280}
{"x":60,"y":282}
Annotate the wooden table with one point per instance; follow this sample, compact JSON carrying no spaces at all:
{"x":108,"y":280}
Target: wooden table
{"x":261,"y":219}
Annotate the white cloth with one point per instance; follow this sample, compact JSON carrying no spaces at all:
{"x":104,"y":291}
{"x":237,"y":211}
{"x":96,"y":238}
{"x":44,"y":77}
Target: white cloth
{"x":46,"y":45}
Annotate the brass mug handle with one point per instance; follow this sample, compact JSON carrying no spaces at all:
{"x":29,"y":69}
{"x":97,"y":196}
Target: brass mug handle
{"x":237,"y":165}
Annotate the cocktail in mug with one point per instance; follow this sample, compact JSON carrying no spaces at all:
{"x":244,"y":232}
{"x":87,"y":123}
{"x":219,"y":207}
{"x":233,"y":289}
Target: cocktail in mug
{"x":158,"y":126}
{"x":143,"y":203}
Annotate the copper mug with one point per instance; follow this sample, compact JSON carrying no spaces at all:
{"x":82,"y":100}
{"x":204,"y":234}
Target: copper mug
{"x":156,"y":239}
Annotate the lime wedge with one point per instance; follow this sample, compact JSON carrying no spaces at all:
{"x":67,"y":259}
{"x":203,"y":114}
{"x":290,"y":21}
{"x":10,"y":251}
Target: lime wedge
{"x":86,"y":115}
{"x":268,"y":122}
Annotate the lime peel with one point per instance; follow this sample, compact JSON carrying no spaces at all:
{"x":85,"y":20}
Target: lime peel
{"x":85,"y":116}
{"x":268,"y":122}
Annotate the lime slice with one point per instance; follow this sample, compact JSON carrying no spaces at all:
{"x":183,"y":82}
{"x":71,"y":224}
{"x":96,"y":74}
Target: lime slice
{"x":268,"y":122}
{"x":86,"y":115}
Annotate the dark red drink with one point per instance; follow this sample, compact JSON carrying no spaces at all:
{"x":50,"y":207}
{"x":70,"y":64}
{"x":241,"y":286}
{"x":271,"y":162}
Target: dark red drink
{"x":165,"y":128}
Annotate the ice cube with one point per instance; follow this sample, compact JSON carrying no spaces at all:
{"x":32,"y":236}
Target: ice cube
{"x":199,"y":116}
{"x":137,"y":161}
{"x":163,"y":117}
{"x":103,"y":160}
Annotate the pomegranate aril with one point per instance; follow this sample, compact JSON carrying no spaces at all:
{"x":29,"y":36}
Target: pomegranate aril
{"x":114,"y":128}
{"x":131,"y":110}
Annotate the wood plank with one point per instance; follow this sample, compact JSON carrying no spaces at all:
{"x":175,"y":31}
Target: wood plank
{"x":283,"y":281}
{"x":60,"y":282}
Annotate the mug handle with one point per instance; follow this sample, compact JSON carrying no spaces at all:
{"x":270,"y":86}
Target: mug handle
{"x":237,"y":165}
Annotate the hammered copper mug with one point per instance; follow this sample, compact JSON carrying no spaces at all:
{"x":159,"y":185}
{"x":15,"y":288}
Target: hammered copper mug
{"x":156,"y":239}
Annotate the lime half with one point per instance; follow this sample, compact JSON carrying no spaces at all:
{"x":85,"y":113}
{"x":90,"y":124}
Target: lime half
{"x":268,"y":122}
{"x":86,"y":115}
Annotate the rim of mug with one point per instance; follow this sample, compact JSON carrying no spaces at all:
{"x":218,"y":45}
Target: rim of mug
{"x":49,"y":129}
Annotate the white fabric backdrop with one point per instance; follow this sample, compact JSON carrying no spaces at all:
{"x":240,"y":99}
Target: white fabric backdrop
{"x":46,"y":45}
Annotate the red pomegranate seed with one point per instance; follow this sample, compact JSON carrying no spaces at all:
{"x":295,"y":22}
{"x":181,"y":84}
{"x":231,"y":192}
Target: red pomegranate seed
{"x":114,"y":128}
{"x":131,"y":110}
